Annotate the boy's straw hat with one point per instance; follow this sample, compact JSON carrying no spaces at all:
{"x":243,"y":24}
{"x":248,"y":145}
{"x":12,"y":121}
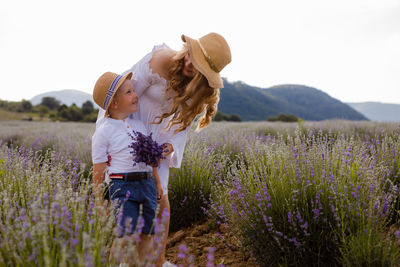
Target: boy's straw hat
{"x":209,"y":55}
{"x":106,"y":87}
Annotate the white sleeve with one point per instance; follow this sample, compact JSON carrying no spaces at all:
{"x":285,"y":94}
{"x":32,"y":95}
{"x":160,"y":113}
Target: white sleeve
{"x":178,"y":142}
{"x":99,"y":147}
{"x":142,"y":75}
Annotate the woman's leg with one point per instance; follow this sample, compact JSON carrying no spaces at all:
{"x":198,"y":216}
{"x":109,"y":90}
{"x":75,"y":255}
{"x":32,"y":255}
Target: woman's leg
{"x":143,"y":247}
{"x":164,"y":204}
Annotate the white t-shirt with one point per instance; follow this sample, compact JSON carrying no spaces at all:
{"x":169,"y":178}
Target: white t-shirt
{"x":111,"y":138}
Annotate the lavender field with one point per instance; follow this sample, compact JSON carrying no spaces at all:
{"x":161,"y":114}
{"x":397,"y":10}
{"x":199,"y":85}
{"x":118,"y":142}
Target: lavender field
{"x":307,"y":193}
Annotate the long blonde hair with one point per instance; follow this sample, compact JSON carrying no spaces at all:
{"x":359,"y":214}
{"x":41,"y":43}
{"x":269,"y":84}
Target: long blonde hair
{"x":202,"y":98}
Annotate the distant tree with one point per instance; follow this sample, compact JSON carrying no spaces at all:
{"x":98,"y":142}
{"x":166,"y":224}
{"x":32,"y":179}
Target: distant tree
{"x":92,"y":117}
{"x":74,"y":113}
{"x":50,"y":102}
{"x":64,"y":114}
{"x":11,"y":105}
{"x":235,"y":117}
{"x":71,"y":113}
{"x":284,"y":117}
{"x":219,"y":116}
{"x":87,"y":107}
{"x":3,"y":103}
{"x":43,"y":110}
{"x":26,"y":105}
{"x":62,"y":107}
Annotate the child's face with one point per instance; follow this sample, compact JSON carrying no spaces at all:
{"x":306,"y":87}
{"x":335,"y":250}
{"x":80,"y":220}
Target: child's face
{"x":126,"y":100}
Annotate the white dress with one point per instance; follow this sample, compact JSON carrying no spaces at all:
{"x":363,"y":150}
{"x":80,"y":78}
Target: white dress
{"x":153,"y":102}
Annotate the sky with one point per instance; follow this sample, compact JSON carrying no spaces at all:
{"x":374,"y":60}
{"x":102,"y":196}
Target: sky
{"x":350,"y":49}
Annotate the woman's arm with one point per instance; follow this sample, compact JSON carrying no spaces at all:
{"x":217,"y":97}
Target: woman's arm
{"x":142,"y":72}
{"x":176,"y":146}
{"x":160,"y":192}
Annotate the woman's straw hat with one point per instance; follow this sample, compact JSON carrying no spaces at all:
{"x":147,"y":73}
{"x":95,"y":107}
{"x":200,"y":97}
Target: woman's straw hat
{"x":209,"y":55}
{"x":106,"y":87}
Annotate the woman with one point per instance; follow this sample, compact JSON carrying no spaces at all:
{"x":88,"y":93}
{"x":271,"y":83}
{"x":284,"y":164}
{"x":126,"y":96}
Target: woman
{"x":173,"y":88}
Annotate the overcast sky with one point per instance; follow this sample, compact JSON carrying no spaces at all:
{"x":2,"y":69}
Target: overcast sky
{"x":349,"y":49}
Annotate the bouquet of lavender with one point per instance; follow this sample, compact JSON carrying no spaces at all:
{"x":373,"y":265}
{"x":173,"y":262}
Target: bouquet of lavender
{"x":146,"y":150}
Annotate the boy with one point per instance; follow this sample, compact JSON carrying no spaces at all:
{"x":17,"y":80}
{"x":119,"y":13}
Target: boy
{"x":130,"y":185}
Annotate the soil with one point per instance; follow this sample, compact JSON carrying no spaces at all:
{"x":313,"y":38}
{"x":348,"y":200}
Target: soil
{"x":200,"y":237}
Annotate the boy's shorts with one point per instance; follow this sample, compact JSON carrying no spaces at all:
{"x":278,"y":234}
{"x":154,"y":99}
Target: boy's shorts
{"x":143,"y":192}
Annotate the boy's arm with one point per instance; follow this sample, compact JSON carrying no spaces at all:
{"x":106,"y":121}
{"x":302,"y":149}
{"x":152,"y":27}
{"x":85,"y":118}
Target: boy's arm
{"x":98,"y":177}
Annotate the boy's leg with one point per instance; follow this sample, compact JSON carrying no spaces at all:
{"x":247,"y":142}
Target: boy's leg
{"x":128,"y":207}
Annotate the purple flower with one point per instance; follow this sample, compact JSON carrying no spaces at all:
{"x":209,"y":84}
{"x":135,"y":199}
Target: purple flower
{"x":146,"y":150}
{"x":181,"y":255}
{"x":74,"y":241}
{"x":210,"y":257}
{"x":397,"y":233}
{"x":183,"y":250}
{"x":295,"y":242}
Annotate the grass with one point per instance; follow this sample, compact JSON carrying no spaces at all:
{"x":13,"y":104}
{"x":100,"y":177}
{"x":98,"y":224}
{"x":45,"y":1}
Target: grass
{"x":9,"y":115}
{"x":294,"y":194}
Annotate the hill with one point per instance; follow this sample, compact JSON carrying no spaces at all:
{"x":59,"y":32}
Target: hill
{"x":67,"y":97}
{"x":250,"y":103}
{"x":377,"y":111}
{"x":255,"y":104}
{"x":313,"y":104}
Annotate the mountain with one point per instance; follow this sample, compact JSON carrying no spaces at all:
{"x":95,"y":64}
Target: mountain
{"x":377,"y":111}
{"x":250,"y":103}
{"x":67,"y":97}
{"x":254,"y":103}
{"x":312,"y":104}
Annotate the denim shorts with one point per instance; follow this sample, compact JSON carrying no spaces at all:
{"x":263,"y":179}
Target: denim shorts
{"x":130,"y":196}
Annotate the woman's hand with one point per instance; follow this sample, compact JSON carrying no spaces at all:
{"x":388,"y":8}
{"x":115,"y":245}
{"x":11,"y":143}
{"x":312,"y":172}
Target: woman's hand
{"x":168,"y":149}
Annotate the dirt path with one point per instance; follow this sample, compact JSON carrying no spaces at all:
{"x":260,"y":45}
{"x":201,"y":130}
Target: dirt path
{"x":200,"y":238}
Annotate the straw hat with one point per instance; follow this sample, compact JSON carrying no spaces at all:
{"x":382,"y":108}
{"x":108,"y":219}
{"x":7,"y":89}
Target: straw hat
{"x":106,"y":87}
{"x":209,"y":55}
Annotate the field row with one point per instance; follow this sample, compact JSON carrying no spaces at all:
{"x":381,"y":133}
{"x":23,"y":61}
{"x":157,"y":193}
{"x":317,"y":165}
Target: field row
{"x":313,"y":194}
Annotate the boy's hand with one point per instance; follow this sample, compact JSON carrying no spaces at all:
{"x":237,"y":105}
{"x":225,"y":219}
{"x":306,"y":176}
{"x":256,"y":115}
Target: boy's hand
{"x":160,"y":192}
{"x":108,"y":160}
{"x":156,"y":165}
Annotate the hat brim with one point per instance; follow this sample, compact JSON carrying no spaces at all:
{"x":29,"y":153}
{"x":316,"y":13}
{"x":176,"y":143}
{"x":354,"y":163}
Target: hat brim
{"x":200,"y":63}
{"x":127,"y":76}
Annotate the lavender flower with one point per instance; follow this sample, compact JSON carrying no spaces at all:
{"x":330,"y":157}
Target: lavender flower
{"x":146,"y":150}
